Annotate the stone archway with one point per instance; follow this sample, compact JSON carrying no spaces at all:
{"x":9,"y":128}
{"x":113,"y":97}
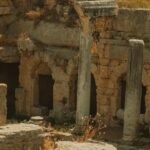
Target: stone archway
{"x":43,"y":89}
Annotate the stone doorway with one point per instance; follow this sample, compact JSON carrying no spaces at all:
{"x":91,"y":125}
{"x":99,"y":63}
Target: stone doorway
{"x":9,"y":74}
{"x":73,"y":94}
{"x":46,"y":84}
{"x":122,"y":97}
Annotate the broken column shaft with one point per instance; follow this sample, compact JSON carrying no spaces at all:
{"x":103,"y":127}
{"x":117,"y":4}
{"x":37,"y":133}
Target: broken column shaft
{"x":133,"y":90}
{"x":3,"y":104}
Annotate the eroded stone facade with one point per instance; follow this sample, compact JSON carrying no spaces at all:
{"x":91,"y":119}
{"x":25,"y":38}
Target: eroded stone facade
{"x":51,"y":48}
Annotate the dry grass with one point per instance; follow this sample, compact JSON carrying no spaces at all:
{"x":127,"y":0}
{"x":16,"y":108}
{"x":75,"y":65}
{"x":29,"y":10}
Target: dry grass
{"x":134,"y":3}
{"x":93,"y":126}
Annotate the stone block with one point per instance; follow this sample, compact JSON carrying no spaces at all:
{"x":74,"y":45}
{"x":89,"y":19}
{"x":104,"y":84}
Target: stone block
{"x":21,"y":137}
{"x":104,"y":72}
{"x":9,"y":54}
{"x":118,"y":52}
{"x":128,"y":20}
{"x":3,"y":104}
{"x":5,"y":10}
{"x":52,"y":34}
{"x":6,"y":7}
{"x":104,"y":61}
{"x":105,"y":100}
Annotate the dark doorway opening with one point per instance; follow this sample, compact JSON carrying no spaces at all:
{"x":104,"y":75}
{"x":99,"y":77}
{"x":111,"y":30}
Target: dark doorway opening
{"x":93,"y":103}
{"x":122,"y":93}
{"x":46,"y":84}
{"x":143,"y":108}
{"x":37,"y":4}
{"x":9,"y":74}
{"x":122,"y":96}
{"x":73,"y":95}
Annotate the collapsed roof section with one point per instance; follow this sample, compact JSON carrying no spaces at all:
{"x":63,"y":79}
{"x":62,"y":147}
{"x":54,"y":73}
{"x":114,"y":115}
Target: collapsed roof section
{"x":97,"y":8}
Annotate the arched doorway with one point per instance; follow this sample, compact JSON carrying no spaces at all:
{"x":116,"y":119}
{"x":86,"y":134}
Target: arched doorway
{"x":46,"y":84}
{"x":43,"y":89}
{"x":122,"y":85}
{"x":73,"y":94}
{"x":9,"y":74}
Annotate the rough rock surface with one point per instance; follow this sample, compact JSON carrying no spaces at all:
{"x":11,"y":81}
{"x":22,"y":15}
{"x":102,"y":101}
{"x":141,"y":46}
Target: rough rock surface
{"x":83,"y":146}
{"x":20,"y":137}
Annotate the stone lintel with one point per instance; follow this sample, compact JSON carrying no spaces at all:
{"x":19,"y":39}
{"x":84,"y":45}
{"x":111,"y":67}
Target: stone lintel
{"x":98,"y":8}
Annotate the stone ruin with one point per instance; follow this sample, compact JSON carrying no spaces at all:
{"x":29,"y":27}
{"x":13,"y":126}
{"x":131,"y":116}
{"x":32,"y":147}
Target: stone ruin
{"x":21,"y":137}
{"x":39,"y":58}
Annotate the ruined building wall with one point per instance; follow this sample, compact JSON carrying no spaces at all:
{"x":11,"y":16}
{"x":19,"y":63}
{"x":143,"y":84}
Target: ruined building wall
{"x":112,"y":53}
{"x":50,"y":47}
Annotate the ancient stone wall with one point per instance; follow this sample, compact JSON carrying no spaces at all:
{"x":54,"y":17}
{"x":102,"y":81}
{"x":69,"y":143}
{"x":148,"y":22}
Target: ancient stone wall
{"x":112,"y":52}
{"x":51,"y":47}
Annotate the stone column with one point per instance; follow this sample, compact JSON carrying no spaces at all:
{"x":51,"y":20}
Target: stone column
{"x":84,"y":78}
{"x":3,"y":104}
{"x":133,"y":90}
{"x":61,"y":95}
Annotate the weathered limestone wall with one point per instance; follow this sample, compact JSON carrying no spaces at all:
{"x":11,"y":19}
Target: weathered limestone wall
{"x":112,"y":48}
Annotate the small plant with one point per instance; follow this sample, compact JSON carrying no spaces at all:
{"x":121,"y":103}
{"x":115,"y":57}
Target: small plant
{"x":92,"y":126}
